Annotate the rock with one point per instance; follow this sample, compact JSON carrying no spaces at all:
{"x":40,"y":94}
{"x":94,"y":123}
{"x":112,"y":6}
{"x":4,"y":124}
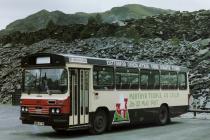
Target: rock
{"x":8,"y":45}
{"x":184,"y":53}
{"x":204,"y":52}
{"x":205,"y":42}
{"x":157,"y":39}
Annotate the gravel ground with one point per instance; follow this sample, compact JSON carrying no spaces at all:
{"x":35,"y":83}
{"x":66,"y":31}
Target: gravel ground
{"x":183,"y":128}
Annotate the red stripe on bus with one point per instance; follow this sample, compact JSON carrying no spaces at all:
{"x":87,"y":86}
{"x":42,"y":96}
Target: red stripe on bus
{"x":43,"y":104}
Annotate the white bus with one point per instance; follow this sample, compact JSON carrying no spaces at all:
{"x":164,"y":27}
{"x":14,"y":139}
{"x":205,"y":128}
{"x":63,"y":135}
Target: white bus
{"x":74,"y":92}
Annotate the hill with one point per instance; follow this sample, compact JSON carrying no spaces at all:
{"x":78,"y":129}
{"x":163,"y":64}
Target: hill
{"x":41,"y":19}
{"x":132,"y":11}
{"x":189,"y":26}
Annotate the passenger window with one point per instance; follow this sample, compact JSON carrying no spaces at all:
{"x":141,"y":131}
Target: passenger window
{"x":134,"y":78}
{"x":173,"y":80}
{"x":127,"y":78}
{"x":182,"y":81}
{"x":144,"y":79}
{"x":103,"y":77}
{"x":164,"y":80}
{"x":154,"y":80}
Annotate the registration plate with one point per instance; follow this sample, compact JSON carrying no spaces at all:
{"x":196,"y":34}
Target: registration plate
{"x":39,"y":123}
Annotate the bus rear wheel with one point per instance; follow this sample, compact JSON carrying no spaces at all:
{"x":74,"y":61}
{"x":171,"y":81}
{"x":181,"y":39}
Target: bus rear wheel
{"x":99,"y":124}
{"x":163,"y":115}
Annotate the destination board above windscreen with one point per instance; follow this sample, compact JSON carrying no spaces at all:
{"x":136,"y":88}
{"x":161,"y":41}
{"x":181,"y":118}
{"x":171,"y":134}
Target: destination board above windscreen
{"x":43,"y":60}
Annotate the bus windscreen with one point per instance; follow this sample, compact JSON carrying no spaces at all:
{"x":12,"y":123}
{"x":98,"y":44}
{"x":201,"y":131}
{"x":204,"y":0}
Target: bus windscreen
{"x":45,"y":81}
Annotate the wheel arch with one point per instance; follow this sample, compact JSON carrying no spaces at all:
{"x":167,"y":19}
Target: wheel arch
{"x":108,"y":116}
{"x":104,"y":108}
{"x":169,"y":112}
{"x":165,"y":104}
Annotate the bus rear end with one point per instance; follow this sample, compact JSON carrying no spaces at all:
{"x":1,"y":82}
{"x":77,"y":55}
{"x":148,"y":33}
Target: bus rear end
{"x":45,"y":99}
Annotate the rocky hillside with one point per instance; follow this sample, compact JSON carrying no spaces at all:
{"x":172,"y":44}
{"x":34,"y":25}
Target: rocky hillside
{"x":188,"y":26}
{"x":194,"y":55}
{"x":41,"y":19}
{"x":179,"y":38}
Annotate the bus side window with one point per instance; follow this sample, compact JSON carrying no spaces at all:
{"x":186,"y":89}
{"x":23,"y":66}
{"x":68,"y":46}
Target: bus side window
{"x":122,"y":78}
{"x":103,"y":77}
{"x":154,"y":80}
{"x":182,"y":78}
{"x":134,"y":78}
{"x":164,"y":80}
{"x":173,"y":80}
{"x":118,"y":79}
{"x":127,"y":78}
{"x":144,"y":79}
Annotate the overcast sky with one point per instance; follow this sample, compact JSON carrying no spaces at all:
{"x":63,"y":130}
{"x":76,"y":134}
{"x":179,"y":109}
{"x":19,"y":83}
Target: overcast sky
{"x":11,"y":10}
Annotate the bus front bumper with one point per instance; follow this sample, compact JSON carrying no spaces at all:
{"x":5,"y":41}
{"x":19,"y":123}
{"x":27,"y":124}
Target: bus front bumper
{"x":60,"y":121}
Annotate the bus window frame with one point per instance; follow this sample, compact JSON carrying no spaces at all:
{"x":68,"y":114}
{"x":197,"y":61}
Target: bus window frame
{"x":48,"y":67}
{"x":140,"y":74}
{"x":176,"y":86}
{"x":149,"y":80}
{"x":127,"y":71}
{"x":113,"y":77}
{"x":161,"y":86}
{"x":186,"y":81}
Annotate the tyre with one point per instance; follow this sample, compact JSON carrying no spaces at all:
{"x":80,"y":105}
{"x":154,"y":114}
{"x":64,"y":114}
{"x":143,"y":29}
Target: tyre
{"x":100,"y":122}
{"x":163,"y":115}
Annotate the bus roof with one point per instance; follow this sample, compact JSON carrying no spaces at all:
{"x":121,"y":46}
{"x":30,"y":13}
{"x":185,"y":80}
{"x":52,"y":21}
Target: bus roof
{"x":69,"y":58}
{"x":122,"y":63}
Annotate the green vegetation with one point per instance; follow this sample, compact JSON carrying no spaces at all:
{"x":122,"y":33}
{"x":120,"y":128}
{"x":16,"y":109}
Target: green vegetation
{"x":41,"y":19}
{"x":175,"y":41}
{"x":132,"y":11}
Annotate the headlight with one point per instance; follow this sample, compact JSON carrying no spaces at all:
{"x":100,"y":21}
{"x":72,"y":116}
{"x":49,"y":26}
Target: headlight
{"x":55,"y":110}
{"x":24,"y":109}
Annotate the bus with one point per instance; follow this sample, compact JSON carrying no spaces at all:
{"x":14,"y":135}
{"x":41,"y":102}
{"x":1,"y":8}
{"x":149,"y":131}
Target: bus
{"x":69,"y":92}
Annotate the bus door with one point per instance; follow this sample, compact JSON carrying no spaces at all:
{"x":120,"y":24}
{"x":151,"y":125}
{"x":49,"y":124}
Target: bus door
{"x":79,"y":96}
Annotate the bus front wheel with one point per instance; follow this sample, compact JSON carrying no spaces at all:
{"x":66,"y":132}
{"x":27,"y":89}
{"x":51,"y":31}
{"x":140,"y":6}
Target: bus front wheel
{"x":163,"y":115}
{"x":99,"y":124}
